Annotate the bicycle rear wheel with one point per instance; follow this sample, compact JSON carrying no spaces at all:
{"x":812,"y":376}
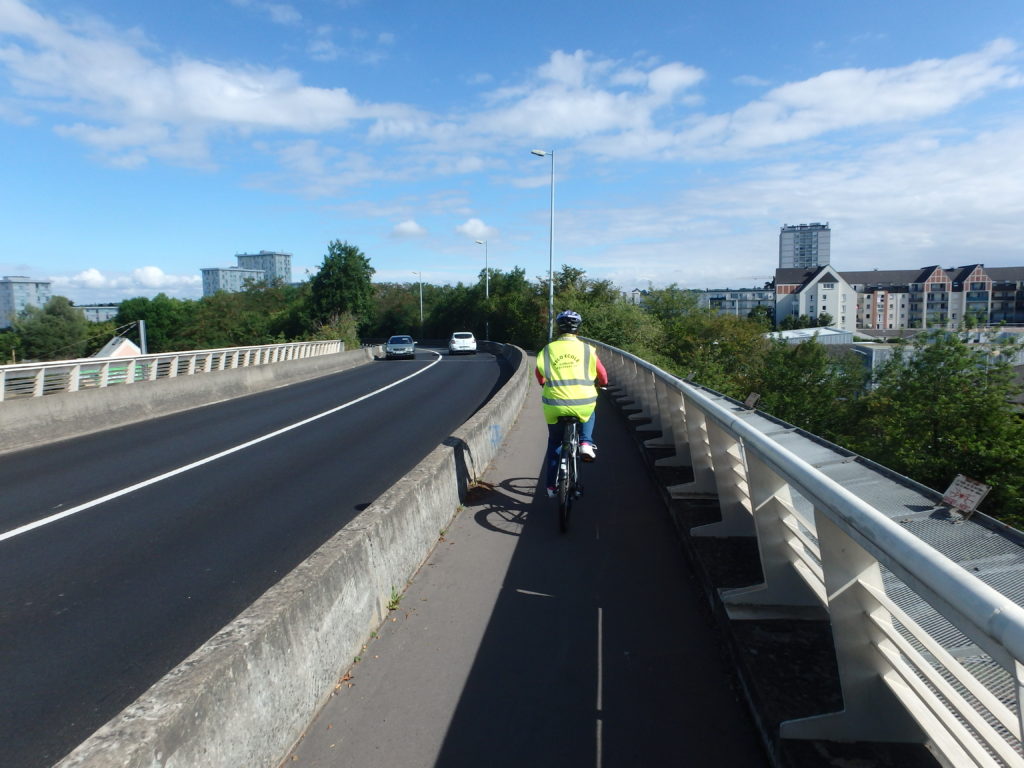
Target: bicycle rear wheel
{"x":565,"y":494}
{"x":567,"y":477}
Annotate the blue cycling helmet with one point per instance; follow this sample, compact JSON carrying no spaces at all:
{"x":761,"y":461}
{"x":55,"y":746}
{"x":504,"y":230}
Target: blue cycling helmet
{"x":568,"y":321}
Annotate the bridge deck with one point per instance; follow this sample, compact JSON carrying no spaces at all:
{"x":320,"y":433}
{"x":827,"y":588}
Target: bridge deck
{"x":516,"y":645}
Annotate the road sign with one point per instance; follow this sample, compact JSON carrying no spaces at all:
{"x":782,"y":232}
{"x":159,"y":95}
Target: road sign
{"x":965,"y":494}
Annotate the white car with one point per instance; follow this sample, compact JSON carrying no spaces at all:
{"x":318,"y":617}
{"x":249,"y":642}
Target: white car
{"x":462,"y":342}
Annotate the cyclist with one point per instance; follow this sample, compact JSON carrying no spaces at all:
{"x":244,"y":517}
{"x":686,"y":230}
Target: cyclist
{"x":570,"y":372}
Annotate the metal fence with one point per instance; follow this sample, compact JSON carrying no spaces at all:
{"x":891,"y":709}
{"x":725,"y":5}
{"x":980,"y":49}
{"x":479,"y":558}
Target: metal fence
{"x":925,"y":605}
{"x":39,"y":379}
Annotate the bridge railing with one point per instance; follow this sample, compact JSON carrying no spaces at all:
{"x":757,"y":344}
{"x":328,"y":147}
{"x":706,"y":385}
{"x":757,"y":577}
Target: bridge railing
{"x":927,"y":651}
{"x":39,"y":379}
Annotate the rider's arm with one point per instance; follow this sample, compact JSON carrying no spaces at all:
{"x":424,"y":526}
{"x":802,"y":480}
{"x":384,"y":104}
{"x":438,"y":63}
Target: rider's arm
{"x":602,"y":375}
{"x":540,"y":377}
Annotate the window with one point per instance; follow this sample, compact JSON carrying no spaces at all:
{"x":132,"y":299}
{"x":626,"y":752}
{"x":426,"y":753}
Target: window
{"x":827,"y":286}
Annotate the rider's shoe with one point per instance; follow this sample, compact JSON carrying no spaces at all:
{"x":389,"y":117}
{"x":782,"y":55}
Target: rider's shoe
{"x":588,"y":451}
{"x":552,"y":491}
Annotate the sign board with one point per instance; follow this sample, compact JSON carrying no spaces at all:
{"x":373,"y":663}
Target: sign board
{"x":965,"y":494}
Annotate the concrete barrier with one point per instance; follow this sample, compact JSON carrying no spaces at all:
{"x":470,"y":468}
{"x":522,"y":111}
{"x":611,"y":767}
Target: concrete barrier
{"x":39,"y":420}
{"x":246,"y":696}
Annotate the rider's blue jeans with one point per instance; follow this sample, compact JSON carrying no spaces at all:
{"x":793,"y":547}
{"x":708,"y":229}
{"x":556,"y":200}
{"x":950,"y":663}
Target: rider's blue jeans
{"x":555,"y":432}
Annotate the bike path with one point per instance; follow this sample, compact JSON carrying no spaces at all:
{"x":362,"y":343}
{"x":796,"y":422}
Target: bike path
{"x":517,"y":645}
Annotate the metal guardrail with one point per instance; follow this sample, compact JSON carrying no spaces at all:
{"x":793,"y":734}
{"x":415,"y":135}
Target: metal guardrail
{"x":928,"y":651}
{"x":39,"y":379}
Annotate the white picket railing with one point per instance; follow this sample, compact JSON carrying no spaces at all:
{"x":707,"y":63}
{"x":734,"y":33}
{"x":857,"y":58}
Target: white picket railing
{"x":927,"y":651}
{"x":39,"y":379}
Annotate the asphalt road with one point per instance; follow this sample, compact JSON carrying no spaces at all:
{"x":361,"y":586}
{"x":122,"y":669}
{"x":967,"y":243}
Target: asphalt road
{"x":98,"y":605}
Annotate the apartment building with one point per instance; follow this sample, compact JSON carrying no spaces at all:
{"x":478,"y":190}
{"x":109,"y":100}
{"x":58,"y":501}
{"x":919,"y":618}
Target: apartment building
{"x":805,"y":246}
{"x":230,"y":279}
{"x":813,"y":293}
{"x":265,"y":266}
{"x":738,"y":301}
{"x":17,"y":293}
{"x":935,"y":297}
{"x":274,"y":265}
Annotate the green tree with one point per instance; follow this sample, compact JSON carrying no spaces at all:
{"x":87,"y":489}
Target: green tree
{"x":811,"y":386}
{"x":395,"y":310}
{"x":10,"y":347}
{"x":825,"y":319}
{"x":763,"y":315}
{"x":945,"y":408}
{"x":342,"y":284}
{"x":166,"y":319}
{"x":58,"y":331}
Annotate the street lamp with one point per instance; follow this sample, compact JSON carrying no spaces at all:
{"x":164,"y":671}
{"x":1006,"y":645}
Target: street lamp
{"x":551,"y":241}
{"x":487,"y":289}
{"x":419,"y":276}
{"x":487,"y":272}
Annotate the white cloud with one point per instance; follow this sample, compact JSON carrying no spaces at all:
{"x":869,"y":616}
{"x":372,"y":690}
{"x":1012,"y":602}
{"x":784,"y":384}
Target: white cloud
{"x":92,"y":285}
{"x":476,"y":229}
{"x":408,"y":228}
{"x":125,"y":98}
{"x":751,"y":80}
{"x":279,"y":13}
{"x":914,"y":202}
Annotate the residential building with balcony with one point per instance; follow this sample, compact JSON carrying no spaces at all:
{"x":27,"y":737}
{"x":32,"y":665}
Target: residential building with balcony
{"x":933,"y":297}
{"x":738,"y":301}
{"x":813,"y":293}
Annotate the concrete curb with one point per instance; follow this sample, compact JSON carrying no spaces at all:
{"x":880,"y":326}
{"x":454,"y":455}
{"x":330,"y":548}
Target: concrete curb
{"x":39,"y":420}
{"x":246,"y":696}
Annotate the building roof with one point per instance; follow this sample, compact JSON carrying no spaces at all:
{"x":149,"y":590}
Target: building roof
{"x":808,"y":333}
{"x":879,"y":278}
{"x":803,"y":277}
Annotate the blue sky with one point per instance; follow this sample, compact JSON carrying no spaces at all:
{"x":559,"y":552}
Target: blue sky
{"x":140,"y":142}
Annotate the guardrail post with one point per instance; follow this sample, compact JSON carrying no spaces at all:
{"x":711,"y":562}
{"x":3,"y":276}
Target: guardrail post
{"x":730,"y":473}
{"x":787,"y":590}
{"x":703,"y":483}
{"x":648,"y":403}
{"x":666,"y":407}
{"x":871,"y":711}
{"x":626,"y":384}
{"x":676,"y":408}
{"x":3,"y":384}
{"x":73,"y":376}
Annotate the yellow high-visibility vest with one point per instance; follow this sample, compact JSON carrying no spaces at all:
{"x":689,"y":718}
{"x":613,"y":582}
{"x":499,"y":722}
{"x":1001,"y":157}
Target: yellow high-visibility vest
{"x":569,"y":367}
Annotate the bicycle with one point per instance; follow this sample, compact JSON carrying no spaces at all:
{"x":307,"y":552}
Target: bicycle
{"x":568,"y":482}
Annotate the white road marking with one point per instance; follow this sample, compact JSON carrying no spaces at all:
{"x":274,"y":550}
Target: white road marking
{"x":180,"y":470}
{"x":600,"y":686}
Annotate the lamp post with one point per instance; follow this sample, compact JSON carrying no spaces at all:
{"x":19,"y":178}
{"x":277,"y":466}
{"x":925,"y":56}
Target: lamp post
{"x":551,"y":241}
{"x":419,"y":276}
{"x":487,"y":289}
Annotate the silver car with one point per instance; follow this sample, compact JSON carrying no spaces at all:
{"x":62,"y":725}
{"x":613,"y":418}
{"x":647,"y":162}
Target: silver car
{"x":400,"y":346}
{"x":462,"y":342}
